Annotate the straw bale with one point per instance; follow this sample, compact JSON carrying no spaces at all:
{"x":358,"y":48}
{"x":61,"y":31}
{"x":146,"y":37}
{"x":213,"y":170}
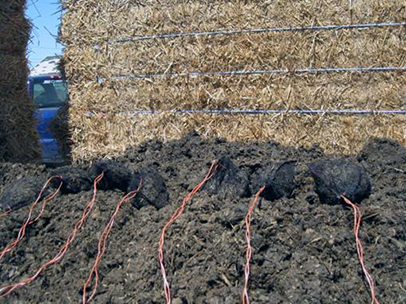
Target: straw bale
{"x":108,"y":135}
{"x":17,"y":127}
{"x":18,"y":139}
{"x":14,"y":31}
{"x":339,"y":91}
{"x":372,"y":47}
{"x":12,"y":5}
{"x":94,"y":20}
{"x":14,"y":70}
{"x":111,"y":129}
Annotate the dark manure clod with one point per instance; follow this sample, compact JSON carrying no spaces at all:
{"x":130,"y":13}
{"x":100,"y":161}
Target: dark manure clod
{"x":228,"y":180}
{"x":21,"y":193}
{"x":116,"y":175}
{"x":278,"y":180}
{"x":153,"y":189}
{"x":383,"y":151}
{"x":337,"y":177}
{"x":74,"y":180}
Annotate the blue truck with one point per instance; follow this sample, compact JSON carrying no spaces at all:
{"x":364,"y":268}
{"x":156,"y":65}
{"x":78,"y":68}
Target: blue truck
{"x":48,"y":90}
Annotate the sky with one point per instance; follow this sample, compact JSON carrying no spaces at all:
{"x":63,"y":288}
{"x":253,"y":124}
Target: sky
{"x":45,"y":17}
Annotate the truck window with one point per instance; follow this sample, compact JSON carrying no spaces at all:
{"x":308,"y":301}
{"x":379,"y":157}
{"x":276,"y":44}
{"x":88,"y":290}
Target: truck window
{"x":50,"y":93}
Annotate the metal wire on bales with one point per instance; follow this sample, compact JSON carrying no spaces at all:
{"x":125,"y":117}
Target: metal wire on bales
{"x":102,"y":248}
{"x":173,"y":218}
{"x":248,"y":255}
{"x":360,"y":250}
{"x":360,"y":69}
{"x":256,"y":31}
{"x":327,"y":70}
{"x":6,"y":290}
{"x":28,"y":221}
{"x":259,"y":111}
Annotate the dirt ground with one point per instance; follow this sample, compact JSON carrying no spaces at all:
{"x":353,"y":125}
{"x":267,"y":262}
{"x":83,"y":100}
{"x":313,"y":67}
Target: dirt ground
{"x":303,"y":249}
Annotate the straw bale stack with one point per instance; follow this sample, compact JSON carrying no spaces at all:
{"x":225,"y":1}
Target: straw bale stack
{"x":90,"y":26}
{"x":18,"y":139}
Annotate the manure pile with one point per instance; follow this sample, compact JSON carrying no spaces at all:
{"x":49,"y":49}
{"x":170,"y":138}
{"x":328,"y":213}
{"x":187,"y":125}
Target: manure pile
{"x":18,"y":139}
{"x":157,"y":69}
{"x":262,"y":223}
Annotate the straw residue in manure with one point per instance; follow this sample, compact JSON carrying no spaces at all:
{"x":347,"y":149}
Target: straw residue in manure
{"x":18,"y":140}
{"x":90,"y":27}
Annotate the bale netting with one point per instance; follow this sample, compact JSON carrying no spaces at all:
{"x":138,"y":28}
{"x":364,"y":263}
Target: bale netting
{"x":166,"y":56}
{"x":18,"y":141}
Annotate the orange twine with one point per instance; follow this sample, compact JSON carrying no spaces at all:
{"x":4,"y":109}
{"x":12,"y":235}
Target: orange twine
{"x":5,"y":291}
{"x":102,"y":247}
{"x":21,"y":232}
{"x":360,"y":250}
{"x":9,"y":210}
{"x":248,"y":254}
{"x":173,"y":218}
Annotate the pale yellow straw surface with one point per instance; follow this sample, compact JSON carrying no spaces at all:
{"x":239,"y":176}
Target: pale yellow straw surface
{"x":110,"y":131}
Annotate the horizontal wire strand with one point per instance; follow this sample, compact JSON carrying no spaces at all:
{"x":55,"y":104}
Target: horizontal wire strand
{"x":327,"y":70}
{"x":255,"y":31}
{"x":258,"y":111}
{"x":358,"y":69}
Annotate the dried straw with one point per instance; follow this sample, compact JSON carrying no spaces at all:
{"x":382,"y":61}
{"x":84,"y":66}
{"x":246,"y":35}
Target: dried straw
{"x":87,"y":23}
{"x":18,"y":139}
